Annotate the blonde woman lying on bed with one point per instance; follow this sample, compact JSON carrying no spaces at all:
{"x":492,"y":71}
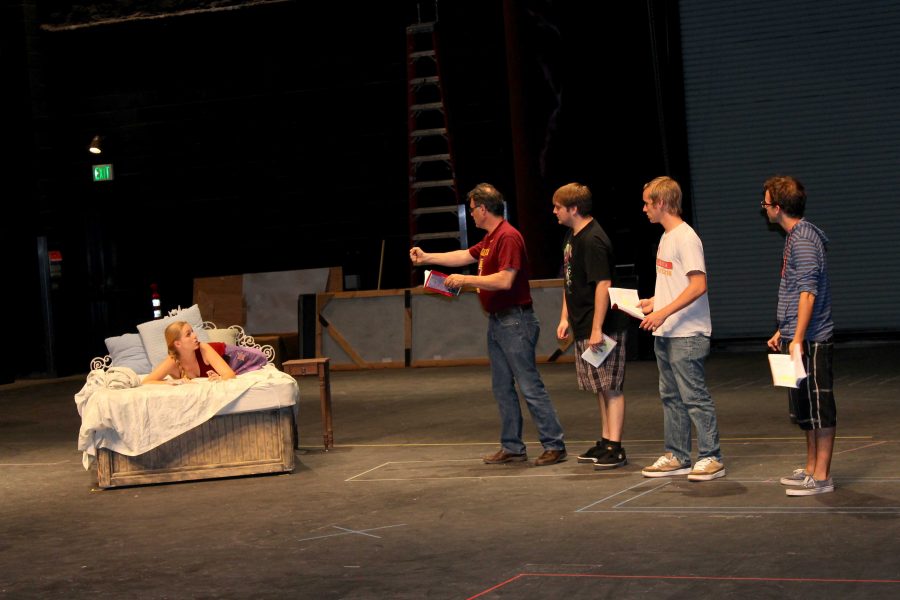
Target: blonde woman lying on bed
{"x":189,"y":358}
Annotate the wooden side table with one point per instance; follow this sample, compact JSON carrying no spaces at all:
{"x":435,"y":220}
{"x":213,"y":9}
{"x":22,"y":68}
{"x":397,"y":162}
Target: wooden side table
{"x":316,"y":366}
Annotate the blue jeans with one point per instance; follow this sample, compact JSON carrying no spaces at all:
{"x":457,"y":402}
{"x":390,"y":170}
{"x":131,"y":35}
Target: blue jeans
{"x":685,"y":399}
{"x":511,"y":340}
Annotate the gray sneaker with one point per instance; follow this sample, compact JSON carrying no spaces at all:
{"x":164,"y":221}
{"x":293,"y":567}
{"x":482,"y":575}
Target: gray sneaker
{"x":795,"y":479}
{"x":811,"y":486}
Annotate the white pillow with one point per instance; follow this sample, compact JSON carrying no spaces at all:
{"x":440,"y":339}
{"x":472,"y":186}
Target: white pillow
{"x":128,"y":351}
{"x":226,"y":336}
{"x":153,"y":332}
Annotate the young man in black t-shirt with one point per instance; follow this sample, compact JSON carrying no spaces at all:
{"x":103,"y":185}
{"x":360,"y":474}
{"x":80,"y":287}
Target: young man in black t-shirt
{"x":589,"y":271}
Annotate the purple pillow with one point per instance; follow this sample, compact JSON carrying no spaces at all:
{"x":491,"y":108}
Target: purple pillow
{"x":242,"y":359}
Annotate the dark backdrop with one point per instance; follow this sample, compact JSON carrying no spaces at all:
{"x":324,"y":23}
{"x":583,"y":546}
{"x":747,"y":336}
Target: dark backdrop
{"x":273,"y":137}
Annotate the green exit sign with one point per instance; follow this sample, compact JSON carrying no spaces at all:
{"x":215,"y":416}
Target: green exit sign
{"x":103,"y":172}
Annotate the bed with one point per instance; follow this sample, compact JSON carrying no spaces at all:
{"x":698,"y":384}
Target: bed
{"x":137,"y":435}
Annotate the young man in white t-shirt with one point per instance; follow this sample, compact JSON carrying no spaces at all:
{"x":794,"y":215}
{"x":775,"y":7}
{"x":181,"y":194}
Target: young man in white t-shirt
{"x":678,"y":317}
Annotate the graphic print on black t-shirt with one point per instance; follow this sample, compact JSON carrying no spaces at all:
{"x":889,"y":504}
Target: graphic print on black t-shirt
{"x":587,"y":259}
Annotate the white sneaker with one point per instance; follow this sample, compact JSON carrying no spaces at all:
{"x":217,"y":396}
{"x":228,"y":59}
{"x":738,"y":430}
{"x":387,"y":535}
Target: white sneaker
{"x":794,"y":479}
{"x":666,"y":466}
{"x":706,"y":469}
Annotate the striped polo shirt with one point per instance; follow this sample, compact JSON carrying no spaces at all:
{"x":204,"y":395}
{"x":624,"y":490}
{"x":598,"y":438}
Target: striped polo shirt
{"x":805,"y":269}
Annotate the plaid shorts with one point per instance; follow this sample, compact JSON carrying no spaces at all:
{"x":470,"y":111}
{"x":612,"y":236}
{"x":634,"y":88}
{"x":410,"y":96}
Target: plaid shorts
{"x":811,"y":405}
{"x":610,"y":375}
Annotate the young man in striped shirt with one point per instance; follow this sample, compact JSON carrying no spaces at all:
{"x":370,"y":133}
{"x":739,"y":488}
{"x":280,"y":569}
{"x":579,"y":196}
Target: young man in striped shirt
{"x":805,"y":326}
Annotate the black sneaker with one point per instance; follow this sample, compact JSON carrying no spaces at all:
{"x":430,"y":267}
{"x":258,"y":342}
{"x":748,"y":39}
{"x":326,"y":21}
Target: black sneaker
{"x":592,"y":454}
{"x":611,"y":458}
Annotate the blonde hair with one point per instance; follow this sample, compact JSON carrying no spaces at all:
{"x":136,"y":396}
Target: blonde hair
{"x":666,"y":192}
{"x":174,"y":332}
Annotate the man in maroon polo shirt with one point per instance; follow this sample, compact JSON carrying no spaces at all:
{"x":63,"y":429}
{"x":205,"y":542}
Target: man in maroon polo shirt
{"x":513,"y":328}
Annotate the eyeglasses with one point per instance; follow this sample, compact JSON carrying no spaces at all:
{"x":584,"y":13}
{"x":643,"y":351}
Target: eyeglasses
{"x":765,"y":204}
{"x":472,"y":209}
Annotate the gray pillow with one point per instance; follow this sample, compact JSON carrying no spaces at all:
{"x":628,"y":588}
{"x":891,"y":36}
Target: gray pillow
{"x":128,"y":351}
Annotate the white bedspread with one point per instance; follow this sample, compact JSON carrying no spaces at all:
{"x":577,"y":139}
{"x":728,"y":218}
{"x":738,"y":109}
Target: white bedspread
{"x":136,"y":420}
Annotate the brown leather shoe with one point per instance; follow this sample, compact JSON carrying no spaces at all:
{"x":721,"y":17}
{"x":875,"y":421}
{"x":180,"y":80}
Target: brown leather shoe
{"x":550,"y":457}
{"x":503,"y":457}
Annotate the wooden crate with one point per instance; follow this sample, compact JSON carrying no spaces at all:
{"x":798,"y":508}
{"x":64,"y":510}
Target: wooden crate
{"x":225,"y":446}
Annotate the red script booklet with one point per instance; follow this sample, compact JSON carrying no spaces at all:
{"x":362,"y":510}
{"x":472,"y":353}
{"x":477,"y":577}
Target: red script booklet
{"x":434,"y":281}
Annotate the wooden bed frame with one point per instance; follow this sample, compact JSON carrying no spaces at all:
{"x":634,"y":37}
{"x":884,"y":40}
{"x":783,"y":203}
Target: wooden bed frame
{"x":230,"y":445}
{"x":225,"y":446}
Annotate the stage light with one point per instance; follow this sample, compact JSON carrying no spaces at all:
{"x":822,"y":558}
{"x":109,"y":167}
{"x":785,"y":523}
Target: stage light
{"x":94,"y":148}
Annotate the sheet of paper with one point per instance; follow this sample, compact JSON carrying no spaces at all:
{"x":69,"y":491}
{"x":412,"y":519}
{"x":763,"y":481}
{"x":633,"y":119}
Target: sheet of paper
{"x":626,"y":300}
{"x":787,"y":369}
{"x":596,"y":357}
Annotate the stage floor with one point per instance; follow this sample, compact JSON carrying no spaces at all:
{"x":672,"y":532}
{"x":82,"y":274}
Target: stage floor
{"x":402,"y":507}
